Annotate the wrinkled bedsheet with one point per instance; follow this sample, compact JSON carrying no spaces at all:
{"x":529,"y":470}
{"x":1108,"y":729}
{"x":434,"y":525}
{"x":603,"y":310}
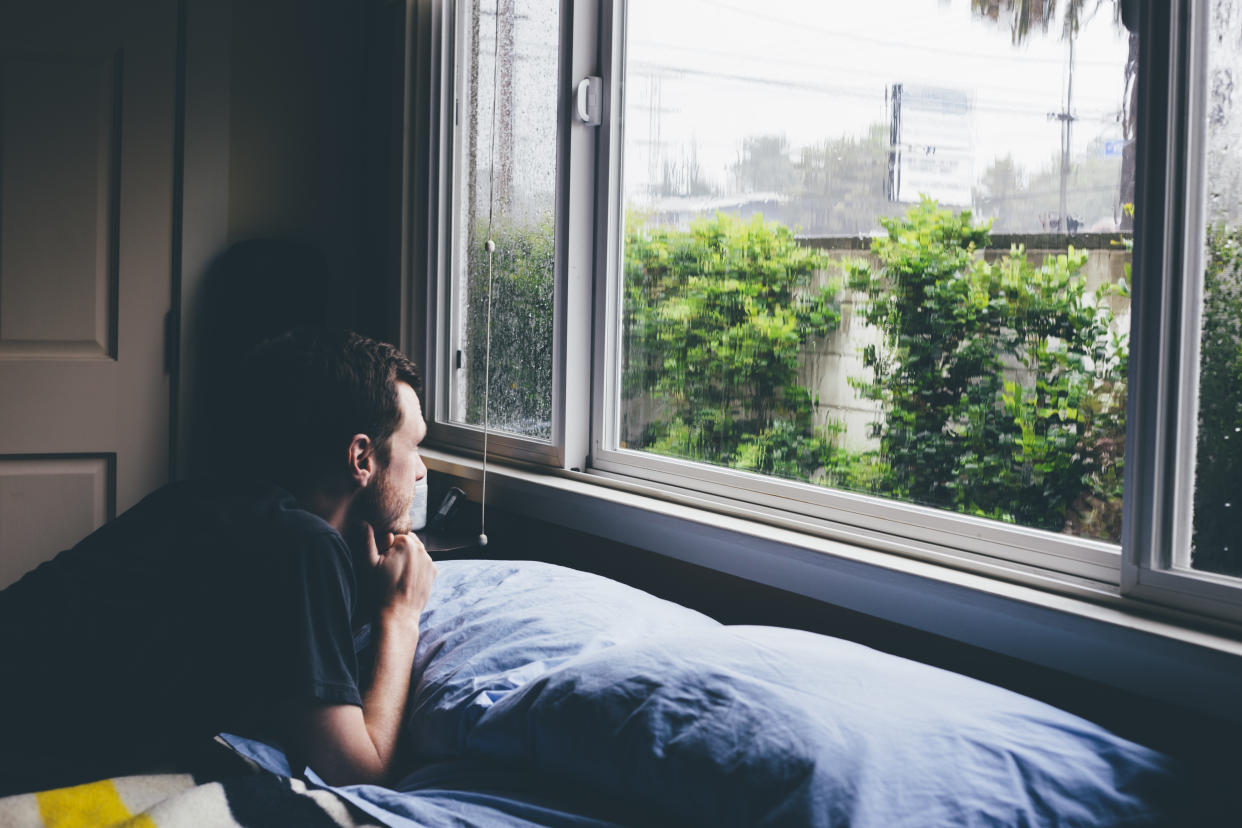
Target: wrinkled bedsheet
{"x":550,"y":696}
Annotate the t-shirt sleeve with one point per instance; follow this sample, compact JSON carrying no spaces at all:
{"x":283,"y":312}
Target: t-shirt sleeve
{"x":322,"y":663}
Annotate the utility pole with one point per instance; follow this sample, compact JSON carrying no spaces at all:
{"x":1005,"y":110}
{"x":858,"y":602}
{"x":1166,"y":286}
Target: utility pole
{"x":1067,"y":121}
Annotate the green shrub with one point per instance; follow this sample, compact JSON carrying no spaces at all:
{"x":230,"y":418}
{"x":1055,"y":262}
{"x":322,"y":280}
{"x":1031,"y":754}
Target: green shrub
{"x":716,"y":320}
{"x":520,"y":396}
{"x":1217,"y":540}
{"x":1002,"y":384}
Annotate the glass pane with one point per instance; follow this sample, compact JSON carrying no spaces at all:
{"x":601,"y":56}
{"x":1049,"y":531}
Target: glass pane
{"x":1217,"y":538}
{"x":506,"y":168}
{"x":883,"y":247}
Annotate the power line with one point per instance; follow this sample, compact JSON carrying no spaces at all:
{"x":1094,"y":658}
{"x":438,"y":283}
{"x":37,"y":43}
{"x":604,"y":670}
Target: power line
{"x":644,"y":68}
{"x":804,"y":26}
{"x":657,"y":46}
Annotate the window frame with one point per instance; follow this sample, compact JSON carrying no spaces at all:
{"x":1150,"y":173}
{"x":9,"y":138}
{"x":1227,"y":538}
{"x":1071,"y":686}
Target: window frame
{"x":575,"y":150}
{"x":961,"y":540}
{"x":1162,"y":410}
{"x":587,"y":341}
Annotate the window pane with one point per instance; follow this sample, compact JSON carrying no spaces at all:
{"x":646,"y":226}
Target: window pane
{"x":883,"y":247}
{"x":1217,"y":539}
{"x":506,"y":182}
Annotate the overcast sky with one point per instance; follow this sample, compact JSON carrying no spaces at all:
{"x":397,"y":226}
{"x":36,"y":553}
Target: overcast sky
{"x":711,"y":72}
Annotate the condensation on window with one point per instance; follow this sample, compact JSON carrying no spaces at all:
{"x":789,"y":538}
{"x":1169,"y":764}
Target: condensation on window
{"x":1217,"y":533}
{"x":508,"y":170}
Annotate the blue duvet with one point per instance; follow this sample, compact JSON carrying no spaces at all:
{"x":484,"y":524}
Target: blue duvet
{"x":552,"y":697}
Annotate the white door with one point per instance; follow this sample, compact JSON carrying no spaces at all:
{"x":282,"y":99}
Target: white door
{"x":87,"y":103}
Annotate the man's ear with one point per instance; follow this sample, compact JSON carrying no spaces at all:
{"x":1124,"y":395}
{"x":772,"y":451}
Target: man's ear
{"x":361,"y":459}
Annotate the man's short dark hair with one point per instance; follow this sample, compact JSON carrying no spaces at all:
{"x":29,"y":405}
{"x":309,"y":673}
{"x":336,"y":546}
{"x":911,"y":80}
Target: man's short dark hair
{"x":304,"y":394}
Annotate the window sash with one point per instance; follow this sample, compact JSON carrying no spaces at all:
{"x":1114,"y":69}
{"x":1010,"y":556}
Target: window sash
{"x":588,"y":291}
{"x":1162,"y":413}
{"x":574,"y":152}
{"x":976,"y":543}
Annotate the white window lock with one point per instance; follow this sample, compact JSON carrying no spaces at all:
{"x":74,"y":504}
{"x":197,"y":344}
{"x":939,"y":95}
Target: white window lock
{"x":589,"y":101}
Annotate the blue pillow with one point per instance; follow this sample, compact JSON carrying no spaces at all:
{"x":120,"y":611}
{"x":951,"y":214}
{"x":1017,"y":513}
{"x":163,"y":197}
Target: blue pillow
{"x":768,"y":726}
{"x":492,"y":626}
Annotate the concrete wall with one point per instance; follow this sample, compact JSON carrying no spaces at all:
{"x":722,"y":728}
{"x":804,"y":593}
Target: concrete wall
{"x":828,"y":369}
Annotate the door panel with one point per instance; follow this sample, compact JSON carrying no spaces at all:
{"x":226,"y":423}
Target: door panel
{"x":59,"y":119}
{"x":49,"y":503}
{"x":87,"y":115}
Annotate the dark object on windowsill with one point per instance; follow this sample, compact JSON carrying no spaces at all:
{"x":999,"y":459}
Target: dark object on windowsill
{"x":454,"y":526}
{"x":448,"y":510}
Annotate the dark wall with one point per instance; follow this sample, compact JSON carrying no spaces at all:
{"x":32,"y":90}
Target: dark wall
{"x":314,"y":154}
{"x":310,"y":227}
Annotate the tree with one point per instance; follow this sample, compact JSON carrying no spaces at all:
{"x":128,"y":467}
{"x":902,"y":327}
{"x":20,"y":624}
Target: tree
{"x":1000,"y":193}
{"x":764,"y":165}
{"x":1023,"y":14}
{"x":684,"y":176}
{"x":519,"y":395}
{"x":1002,"y":383}
{"x":1016,"y":201}
{"x":716,"y":321}
{"x":842,"y":184}
{"x":1217,"y":540}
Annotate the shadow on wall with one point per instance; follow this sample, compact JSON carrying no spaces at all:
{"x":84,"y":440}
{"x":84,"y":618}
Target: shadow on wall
{"x":254,"y":290}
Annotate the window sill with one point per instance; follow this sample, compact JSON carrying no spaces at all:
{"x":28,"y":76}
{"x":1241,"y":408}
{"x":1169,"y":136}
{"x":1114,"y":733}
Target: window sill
{"x":1088,"y":632}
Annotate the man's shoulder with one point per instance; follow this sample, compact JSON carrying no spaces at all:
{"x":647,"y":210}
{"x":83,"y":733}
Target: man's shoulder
{"x":227,"y":524}
{"x":246,"y":502}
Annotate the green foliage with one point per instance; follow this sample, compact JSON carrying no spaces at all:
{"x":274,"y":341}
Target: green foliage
{"x":716,"y":321}
{"x":1002,"y":383}
{"x":520,"y":396}
{"x":1217,"y":541}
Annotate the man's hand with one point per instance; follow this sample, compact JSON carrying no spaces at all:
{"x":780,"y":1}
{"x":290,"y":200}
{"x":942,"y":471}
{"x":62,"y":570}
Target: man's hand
{"x":346,"y":744}
{"x":404,"y":575}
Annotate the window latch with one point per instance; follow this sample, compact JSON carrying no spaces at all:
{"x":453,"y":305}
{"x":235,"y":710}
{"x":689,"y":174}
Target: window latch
{"x":589,"y":101}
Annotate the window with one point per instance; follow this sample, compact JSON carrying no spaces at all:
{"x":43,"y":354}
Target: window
{"x":502,"y":357}
{"x":796,"y":261}
{"x":1189,"y":408}
{"x":867,"y":266}
{"x":506,"y":158}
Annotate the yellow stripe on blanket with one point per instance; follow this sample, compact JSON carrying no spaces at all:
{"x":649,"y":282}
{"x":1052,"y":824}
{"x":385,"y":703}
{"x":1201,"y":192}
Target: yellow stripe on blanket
{"x":93,"y":805}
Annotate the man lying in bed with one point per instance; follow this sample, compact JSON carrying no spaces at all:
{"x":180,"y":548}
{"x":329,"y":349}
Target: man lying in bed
{"x":233,"y":604}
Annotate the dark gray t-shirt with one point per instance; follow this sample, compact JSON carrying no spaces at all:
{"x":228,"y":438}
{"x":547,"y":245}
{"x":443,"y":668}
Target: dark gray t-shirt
{"x":195,"y":612}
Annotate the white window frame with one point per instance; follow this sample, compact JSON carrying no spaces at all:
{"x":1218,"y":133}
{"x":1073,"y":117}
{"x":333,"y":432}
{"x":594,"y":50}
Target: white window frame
{"x":933,"y":534}
{"x":586,"y":336}
{"x":575,"y":151}
{"x":1162,"y":414}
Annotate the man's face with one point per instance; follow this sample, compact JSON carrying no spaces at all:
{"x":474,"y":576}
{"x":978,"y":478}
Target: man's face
{"x":386,"y":500}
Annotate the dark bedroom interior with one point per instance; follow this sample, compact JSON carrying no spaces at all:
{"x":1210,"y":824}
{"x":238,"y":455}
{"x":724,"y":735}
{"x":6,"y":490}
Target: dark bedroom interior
{"x":716,"y":585}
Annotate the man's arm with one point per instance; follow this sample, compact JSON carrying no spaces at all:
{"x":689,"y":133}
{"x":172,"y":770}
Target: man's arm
{"x":348,"y":745}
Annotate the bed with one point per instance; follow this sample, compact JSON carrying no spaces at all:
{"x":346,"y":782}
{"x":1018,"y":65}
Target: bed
{"x":551,"y":697}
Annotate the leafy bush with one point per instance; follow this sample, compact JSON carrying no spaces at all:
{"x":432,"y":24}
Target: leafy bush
{"x":521,"y":360}
{"x":716,"y":321}
{"x":1217,"y":540}
{"x":1002,"y":383}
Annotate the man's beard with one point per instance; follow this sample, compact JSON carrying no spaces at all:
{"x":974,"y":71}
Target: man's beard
{"x":385,"y":507}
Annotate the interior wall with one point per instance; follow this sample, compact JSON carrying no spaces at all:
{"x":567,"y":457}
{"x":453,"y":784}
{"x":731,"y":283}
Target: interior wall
{"x":295,"y":131}
{"x":291,"y":137}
